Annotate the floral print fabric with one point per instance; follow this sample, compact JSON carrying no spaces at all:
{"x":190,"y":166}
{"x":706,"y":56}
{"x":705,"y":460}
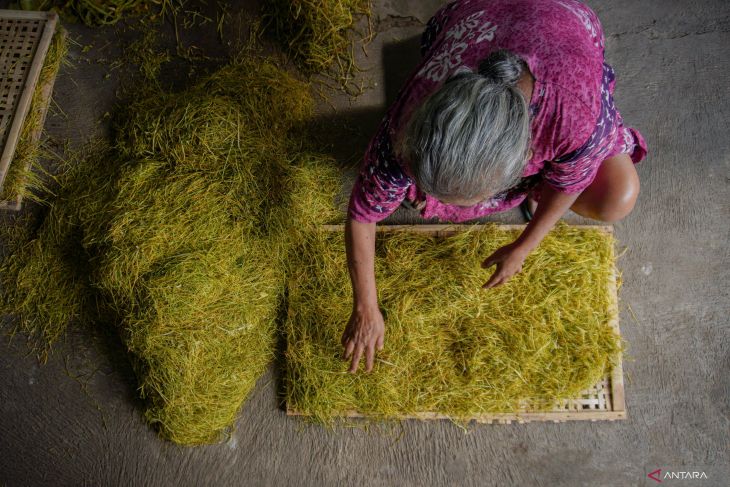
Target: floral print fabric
{"x":574,"y":123}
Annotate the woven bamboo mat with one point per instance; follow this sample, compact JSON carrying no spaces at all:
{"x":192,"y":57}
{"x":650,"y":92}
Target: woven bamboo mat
{"x":24,"y":41}
{"x":603,"y":401}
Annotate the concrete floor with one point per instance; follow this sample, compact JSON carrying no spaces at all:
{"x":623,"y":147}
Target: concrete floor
{"x":76,"y":420}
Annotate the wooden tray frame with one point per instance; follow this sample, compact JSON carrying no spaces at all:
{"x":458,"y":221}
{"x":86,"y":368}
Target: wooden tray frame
{"x":23,"y":105}
{"x":609,"y":403}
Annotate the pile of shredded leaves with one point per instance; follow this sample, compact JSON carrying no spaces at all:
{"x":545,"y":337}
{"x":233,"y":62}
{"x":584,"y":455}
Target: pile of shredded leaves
{"x":177,"y":235}
{"x":451,"y":347}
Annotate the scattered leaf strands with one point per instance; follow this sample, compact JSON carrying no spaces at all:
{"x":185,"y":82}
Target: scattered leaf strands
{"x":106,"y":12}
{"x":451,"y":347}
{"x":315,"y":34}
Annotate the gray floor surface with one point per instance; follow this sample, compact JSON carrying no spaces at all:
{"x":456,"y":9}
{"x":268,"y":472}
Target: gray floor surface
{"x":76,"y":420}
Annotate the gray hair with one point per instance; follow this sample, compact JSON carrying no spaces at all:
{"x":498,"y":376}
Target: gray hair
{"x":471,"y":138}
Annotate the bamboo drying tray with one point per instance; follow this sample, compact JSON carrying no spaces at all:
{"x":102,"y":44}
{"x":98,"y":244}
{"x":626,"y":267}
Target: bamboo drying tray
{"x":603,"y":401}
{"x":24,"y":41}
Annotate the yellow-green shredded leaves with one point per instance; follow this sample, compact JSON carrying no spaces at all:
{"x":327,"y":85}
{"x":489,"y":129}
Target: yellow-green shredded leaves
{"x":177,"y":235}
{"x":106,"y":12}
{"x":451,"y":347}
{"x":315,"y":33}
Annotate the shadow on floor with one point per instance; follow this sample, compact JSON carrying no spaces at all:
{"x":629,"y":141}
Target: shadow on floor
{"x":345,"y":134}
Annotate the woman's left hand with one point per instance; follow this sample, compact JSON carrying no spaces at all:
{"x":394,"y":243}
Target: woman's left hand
{"x":509,"y":260}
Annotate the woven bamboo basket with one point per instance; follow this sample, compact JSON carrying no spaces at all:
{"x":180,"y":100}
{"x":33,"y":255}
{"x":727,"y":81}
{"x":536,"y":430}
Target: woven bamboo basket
{"x":603,"y":401}
{"x":24,"y":41}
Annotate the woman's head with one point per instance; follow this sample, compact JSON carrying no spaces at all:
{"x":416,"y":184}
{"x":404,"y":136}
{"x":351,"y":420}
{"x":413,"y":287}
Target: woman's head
{"x":471,"y":138}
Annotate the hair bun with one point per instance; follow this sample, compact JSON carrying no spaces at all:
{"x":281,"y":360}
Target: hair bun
{"x":502,"y":67}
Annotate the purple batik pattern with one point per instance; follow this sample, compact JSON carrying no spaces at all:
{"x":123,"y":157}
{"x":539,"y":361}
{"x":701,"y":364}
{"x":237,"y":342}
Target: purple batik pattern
{"x":575,"y":171}
{"x":382,"y":184}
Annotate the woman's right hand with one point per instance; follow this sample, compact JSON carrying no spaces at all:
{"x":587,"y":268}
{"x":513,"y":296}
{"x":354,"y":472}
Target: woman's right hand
{"x":364,"y":334}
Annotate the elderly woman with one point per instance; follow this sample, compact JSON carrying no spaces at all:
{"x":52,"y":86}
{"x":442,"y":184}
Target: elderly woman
{"x":511,"y":104}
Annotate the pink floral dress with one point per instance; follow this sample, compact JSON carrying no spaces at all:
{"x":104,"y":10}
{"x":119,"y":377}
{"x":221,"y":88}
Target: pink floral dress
{"x":574,"y":123}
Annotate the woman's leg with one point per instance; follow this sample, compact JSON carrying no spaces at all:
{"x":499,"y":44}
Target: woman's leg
{"x":612,"y":194}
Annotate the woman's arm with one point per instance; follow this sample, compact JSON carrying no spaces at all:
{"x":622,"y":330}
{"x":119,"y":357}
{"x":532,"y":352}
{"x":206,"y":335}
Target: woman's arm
{"x":509,"y":259}
{"x":366,"y":328}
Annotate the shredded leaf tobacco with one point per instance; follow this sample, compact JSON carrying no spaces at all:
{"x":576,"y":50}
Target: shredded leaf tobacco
{"x":452,"y":347}
{"x":177,"y":235}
